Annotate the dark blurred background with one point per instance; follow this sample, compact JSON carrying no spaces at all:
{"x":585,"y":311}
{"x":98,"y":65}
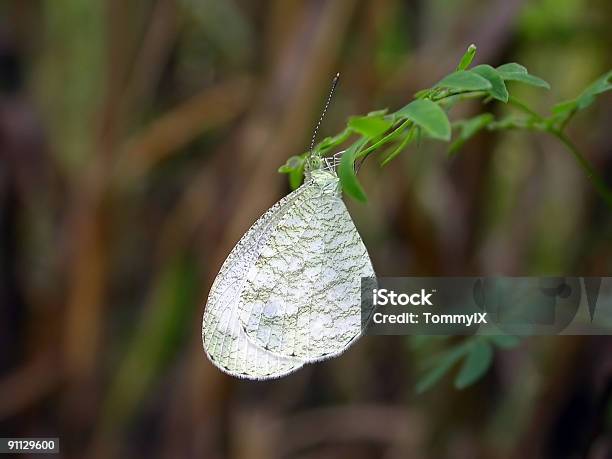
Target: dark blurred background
{"x":140,"y":139}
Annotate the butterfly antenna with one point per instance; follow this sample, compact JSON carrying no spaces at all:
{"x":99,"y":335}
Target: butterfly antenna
{"x":329,"y":97}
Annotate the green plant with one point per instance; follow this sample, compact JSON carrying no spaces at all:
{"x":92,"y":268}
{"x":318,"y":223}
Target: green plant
{"x":426,"y":116}
{"x":476,"y":352}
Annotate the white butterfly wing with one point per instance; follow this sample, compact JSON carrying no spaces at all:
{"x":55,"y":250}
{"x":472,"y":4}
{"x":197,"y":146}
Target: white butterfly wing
{"x":282,"y":280}
{"x":223,"y":337}
{"x":304,"y":299}
{"x":335,"y":316}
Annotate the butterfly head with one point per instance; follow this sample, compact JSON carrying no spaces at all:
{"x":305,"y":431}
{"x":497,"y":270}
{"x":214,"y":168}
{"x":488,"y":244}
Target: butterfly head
{"x":324,"y":179}
{"x":322,"y":172}
{"x":313,"y":163}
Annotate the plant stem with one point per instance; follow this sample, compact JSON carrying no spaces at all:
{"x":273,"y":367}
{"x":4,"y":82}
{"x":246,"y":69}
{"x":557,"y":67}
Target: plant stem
{"x":523,"y":107}
{"x":603,"y":189}
{"x":407,"y":139}
{"x":535,"y":122}
{"x":384,"y":140}
{"x":458,"y":96}
{"x":592,"y":175}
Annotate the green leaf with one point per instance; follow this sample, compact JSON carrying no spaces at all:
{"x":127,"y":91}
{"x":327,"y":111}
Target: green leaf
{"x":504,"y":341}
{"x":331,"y":142}
{"x":429,"y":116}
{"x":293,"y":162}
{"x":441,"y":367}
{"x":422,"y":93}
{"x":531,"y":80}
{"x":295,"y":168}
{"x":405,"y":141}
{"x":464,"y":80}
{"x":563,"y":111}
{"x":498,"y":87}
{"x":512,"y":67}
{"x":381,"y":112}
{"x":601,"y":85}
{"x":468,"y":129}
{"x":346,"y":172}
{"x":369,"y":126}
{"x":433,"y":376}
{"x":467,"y":58}
{"x":476,"y":364}
{"x":516,"y":72}
{"x":295,"y":177}
{"x":565,"y":107}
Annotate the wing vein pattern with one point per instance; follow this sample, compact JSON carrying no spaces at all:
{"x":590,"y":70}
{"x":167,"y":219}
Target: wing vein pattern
{"x":314,"y":311}
{"x":289,"y":293}
{"x":224,"y":340}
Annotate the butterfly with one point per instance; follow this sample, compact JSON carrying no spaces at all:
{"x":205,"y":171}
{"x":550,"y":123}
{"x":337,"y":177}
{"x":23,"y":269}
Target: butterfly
{"x":289,"y":293}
